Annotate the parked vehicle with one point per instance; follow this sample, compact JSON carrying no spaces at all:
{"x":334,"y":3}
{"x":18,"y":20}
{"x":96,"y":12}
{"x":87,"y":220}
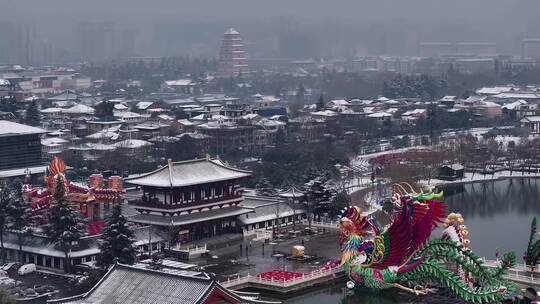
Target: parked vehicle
{"x":27,"y":269}
{"x":11,"y":265}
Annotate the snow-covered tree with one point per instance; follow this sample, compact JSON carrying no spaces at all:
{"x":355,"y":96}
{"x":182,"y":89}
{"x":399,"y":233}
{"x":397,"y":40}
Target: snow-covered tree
{"x":32,"y":116}
{"x":6,"y":197}
{"x":65,"y":226}
{"x":18,"y":212}
{"x":318,"y":195}
{"x":117,"y":240}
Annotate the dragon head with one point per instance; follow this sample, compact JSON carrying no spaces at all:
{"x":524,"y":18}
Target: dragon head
{"x":354,"y":224}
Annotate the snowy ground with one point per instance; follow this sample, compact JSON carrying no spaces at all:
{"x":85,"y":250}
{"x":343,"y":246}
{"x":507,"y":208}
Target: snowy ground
{"x":478,"y":178}
{"x":364,"y":158}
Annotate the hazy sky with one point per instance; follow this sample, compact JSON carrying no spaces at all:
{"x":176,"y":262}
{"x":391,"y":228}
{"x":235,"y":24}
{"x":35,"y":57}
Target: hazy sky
{"x":302,"y":8}
{"x":175,"y":26}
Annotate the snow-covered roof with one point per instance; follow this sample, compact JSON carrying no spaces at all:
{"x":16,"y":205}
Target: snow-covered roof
{"x":266,"y":209}
{"x":210,"y":117}
{"x":187,"y":122}
{"x":51,"y":110}
{"x":9,"y":128}
{"x":517,"y":95}
{"x":179,"y":82}
{"x":455,"y":167}
{"x":66,"y":95}
{"x":531,"y":119}
{"x":31,"y":98}
{"x":270,"y":123}
{"x":379,"y":115}
{"x":448,"y":98}
{"x":194,"y":135}
{"x":143,"y":105}
{"x":231,"y":31}
{"x":326,"y":113}
{"x":119,"y":106}
{"x":126,"y":115}
{"x":53,"y":141}
{"x":414,"y":112}
{"x":104,"y":134}
{"x":4,"y":82}
{"x":165,"y":117}
{"x":383,"y":99}
{"x":339,"y":102}
{"x":250,"y":116}
{"x":474,"y":98}
{"x":494,"y":90}
{"x":489,"y":104}
{"x":132,"y":144}
{"x":151,"y":126}
{"x":514,"y":105}
{"x":187,"y":173}
{"x":22,"y":171}
{"x":79,"y":109}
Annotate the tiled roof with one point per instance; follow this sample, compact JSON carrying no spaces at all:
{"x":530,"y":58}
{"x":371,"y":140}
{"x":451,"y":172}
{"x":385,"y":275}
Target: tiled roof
{"x":126,"y":284}
{"x":8,"y":128}
{"x":186,"y":173}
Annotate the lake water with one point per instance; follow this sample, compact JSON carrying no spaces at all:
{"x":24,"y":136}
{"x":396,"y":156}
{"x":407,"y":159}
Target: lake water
{"x":498,"y":215}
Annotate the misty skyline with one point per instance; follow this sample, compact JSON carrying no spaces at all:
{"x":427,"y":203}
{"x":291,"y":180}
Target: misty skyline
{"x":300,"y":28}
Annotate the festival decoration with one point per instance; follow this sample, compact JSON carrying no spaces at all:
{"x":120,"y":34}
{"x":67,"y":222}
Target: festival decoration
{"x":402,"y":256}
{"x":86,"y":199}
{"x":280,"y":275}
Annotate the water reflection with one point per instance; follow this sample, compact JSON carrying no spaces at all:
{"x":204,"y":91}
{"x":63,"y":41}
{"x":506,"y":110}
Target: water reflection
{"x":339,"y":294}
{"x":497,"y":213}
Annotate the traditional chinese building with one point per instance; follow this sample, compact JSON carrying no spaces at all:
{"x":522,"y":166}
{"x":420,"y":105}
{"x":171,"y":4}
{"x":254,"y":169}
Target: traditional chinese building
{"x":232,"y":57}
{"x":197,"y":199}
{"x":140,"y":285}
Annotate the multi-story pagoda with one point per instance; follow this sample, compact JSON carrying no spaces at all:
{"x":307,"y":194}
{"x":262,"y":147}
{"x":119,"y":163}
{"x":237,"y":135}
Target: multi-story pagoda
{"x":194,"y":199}
{"x":232,"y":57}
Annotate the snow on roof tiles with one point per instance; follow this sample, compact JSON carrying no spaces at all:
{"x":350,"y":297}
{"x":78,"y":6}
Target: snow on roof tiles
{"x":8,"y":128}
{"x":186,"y":173}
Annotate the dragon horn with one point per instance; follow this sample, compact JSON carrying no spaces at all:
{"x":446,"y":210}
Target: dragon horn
{"x":400,"y":187}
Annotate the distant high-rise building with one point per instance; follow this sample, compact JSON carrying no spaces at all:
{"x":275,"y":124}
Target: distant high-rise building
{"x":530,"y":48}
{"x":232,"y":57}
{"x":96,"y":40}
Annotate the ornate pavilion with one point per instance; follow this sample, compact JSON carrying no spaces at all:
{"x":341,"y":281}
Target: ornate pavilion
{"x":194,"y":199}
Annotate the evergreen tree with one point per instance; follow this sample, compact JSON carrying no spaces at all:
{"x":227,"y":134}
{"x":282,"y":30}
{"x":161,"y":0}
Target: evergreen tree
{"x":18,"y":216}
{"x":300,"y":93}
{"x":281,"y":137}
{"x":533,"y":246}
{"x":320,"y":103}
{"x":32,"y":117}
{"x":6,"y":197}
{"x":105,"y":110}
{"x":116,"y":241}
{"x":65,"y":225}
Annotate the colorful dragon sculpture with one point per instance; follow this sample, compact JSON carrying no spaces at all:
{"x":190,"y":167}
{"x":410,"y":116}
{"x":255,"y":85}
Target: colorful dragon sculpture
{"x":402,"y":255}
